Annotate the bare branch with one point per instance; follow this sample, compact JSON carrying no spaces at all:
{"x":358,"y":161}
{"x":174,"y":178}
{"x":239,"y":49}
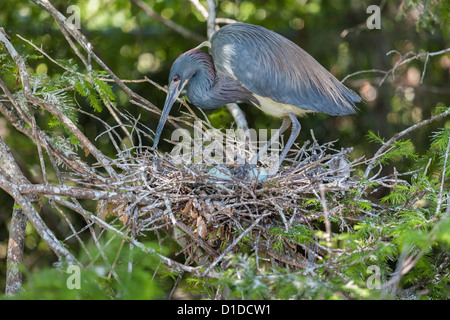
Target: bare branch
{"x":168,"y":23}
{"x":441,"y":190}
{"x":235,"y":242}
{"x":14,"y":257}
{"x":398,"y":135}
{"x":200,"y":8}
{"x":80,"y":38}
{"x":7,"y":184}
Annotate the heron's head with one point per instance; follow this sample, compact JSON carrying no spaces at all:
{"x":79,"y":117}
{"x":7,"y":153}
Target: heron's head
{"x":182,"y":70}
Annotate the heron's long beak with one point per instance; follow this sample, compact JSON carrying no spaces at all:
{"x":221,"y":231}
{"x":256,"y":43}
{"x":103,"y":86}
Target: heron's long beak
{"x":172,"y":95}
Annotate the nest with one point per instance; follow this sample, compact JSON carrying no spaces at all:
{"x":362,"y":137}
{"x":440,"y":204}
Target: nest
{"x":210,"y":214}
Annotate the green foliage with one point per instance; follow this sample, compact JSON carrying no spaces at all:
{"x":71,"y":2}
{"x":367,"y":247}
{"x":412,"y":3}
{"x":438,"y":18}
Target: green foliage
{"x":278,"y":283}
{"x":298,"y":234}
{"x":408,"y":225}
{"x":221,"y":118}
{"x":96,"y":90}
{"x":430,"y":14}
{"x":398,"y":151}
{"x":96,"y":281}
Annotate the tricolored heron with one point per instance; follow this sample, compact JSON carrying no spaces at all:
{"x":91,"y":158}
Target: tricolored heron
{"x":251,"y":64}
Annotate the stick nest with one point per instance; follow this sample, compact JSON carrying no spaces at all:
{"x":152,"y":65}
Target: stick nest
{"x":210,"y":215}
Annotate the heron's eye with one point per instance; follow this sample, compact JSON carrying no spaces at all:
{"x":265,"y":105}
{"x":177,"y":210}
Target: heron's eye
{"x":175,"y":79}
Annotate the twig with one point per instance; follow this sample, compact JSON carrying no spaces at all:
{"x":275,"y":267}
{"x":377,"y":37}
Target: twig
{"x":231,"y":246}
{"x":441,"y":190}
{"x":168,"y":23}
{"x":405,"y":60}
{"x":14,"y":259}
{"x":50,"y":107}
{"x":77,"y":35}
{"x":363,"y":71}
{"x":211,"y":21}
{"x":200,"y":8}
{"x":49,"y":57}
{"x":325,"y":214}
{"x":7,"y":184}
{"x":398,"y":135}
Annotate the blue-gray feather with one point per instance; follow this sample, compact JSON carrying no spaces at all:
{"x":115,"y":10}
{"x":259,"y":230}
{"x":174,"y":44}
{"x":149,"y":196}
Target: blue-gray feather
{"x":206,"y":88}
{"x":272,"y":66}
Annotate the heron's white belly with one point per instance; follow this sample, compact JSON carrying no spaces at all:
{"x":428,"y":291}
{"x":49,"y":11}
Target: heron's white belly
{"x":277,"y":109}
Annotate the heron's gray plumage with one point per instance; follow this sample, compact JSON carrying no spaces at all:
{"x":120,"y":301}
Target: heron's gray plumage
{"x":254,"y":65}
{"x":272,"y":66}
{"x":206,"y":88}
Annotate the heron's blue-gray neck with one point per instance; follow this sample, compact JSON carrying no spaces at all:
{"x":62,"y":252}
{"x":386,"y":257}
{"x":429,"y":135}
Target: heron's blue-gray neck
{"x":209,"y":90}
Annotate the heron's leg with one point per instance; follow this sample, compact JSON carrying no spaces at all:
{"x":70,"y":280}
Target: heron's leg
{"x":285,"y":124}
{"x":296,"y":127}
{"x":295,"y":131}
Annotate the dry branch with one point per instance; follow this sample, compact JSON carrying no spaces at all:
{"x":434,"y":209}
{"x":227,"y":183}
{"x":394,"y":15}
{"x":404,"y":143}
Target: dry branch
{"x":168,"y":23}
{"x":15,"y":251}
{"x":398,"y":135}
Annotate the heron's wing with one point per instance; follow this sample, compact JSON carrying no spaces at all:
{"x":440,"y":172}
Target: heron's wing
{"x":272,"y":66}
